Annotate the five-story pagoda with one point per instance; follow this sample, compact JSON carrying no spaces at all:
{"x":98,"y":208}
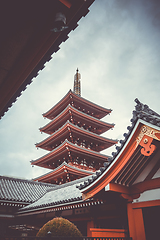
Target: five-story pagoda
{"x":74,"y":141}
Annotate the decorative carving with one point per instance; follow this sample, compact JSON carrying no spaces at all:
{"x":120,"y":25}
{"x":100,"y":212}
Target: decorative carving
{"x":148,"y":148}
{"x":148,"y":131}
{"x":140,"y":107}
{"x":142,"y":111}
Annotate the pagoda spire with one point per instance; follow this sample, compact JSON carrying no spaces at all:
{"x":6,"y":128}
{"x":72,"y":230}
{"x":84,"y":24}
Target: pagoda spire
{"x":77,"y":83}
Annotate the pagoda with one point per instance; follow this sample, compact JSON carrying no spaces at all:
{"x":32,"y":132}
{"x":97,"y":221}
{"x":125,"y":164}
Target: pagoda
{"x":74,"y":141}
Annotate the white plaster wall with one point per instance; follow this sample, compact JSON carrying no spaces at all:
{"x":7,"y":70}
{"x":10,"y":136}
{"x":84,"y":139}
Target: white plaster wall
{"x":149,"y":196}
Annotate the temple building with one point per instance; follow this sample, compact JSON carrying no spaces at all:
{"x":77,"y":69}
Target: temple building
{"x":122,"y":199}
{"x":117,"y":196}
{"x":75,"y":140}
{"x":104,"y":196}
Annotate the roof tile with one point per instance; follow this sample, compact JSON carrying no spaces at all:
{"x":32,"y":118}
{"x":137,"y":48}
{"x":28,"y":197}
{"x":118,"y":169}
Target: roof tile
{"x":20,"y":190}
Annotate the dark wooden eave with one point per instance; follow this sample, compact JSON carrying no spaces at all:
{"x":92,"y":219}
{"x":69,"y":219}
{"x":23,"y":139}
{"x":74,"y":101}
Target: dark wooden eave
{"x":27,"y":41}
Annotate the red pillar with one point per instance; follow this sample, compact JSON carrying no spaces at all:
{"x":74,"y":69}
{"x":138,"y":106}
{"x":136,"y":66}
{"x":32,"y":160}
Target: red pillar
{"x":136,"y":223}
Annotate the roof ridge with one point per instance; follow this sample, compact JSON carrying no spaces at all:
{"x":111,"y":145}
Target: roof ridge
{"x":144,"y":109}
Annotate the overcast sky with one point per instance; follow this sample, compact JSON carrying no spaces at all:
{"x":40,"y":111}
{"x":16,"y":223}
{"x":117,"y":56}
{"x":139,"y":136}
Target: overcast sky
{"x":117,"y":50}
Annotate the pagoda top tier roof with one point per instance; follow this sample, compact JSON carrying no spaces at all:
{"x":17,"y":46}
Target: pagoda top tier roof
{"x":76,"y":134}
{"x":70,"y":151}
{"x":73,"y":114}
{"x":63,"y":169}
{"x":78,"y":102}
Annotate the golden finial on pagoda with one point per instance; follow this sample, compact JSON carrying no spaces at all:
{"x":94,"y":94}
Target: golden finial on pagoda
{"x":77,"y":83}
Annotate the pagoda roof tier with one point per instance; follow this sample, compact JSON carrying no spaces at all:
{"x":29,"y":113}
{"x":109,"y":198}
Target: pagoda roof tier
{"x":78,"y":118}
{"x":71,"y":153}
{"x":78,"y":102}
{"x":62,"y":174}
{"x":76,"y":135}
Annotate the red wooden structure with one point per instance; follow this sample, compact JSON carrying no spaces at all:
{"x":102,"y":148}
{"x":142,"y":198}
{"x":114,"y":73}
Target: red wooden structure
{"x":74,"y":143}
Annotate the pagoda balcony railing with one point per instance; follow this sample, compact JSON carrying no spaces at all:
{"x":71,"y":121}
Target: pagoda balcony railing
{"x":65,"y":238}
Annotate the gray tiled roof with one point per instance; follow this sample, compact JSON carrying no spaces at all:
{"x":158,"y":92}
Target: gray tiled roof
{"x":61,"y":194}
{"x":21,"y":190}
{"x":142,"y":111}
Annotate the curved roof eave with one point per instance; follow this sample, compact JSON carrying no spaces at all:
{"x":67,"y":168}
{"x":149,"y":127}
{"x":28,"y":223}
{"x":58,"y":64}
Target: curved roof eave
{"x":79,"y":98}
{"x":67,"y":144}
{"x":76,"y":128}
{"x":84,"y":115}
{"x":142,"y":115}
{"x":62,"y":166}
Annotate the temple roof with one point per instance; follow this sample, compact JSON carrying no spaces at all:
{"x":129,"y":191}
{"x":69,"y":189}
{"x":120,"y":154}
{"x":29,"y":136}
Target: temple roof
{"x":62,"y":171}
{"x":72,"y":133}
{"x":78,"y":102}
{"x":27,"y":41}
{"x":70,"y":151}
{"x":79,"y":117}
{"x":61,"y":196}
{"x":143,"y":116}
{"x":21,"y":191}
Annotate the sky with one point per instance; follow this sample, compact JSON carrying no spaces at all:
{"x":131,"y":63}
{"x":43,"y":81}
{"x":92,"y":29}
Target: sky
{"x":116,"y":48}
